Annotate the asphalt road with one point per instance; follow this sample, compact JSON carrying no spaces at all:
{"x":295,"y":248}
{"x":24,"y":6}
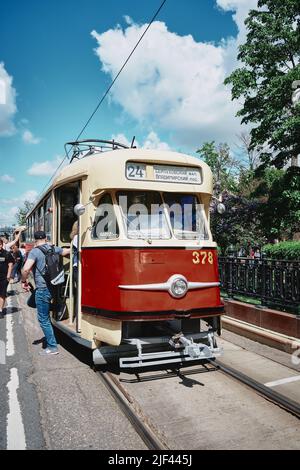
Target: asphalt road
{"x":55,"y":402}
{"x":20,"y":424}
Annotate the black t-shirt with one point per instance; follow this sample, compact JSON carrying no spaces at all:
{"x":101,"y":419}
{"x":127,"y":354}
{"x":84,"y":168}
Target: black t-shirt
{"x":5,"y":259}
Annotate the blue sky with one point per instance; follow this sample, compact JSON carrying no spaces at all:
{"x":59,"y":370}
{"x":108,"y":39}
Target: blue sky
{"x":57,"y":57}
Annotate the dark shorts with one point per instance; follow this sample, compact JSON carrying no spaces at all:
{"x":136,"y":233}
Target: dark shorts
{"x":3,"y":288}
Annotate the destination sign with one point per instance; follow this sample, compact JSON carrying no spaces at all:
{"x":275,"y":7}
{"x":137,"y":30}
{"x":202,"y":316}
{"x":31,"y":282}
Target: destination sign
{"x":163,"y":173}
{"x":177,"y":174}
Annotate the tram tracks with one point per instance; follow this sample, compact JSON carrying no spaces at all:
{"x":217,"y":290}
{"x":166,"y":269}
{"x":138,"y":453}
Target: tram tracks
{"x":140,"y":422}
{"x":275,"y":397}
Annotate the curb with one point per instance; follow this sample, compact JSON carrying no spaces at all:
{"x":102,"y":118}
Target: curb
{"x":261,"y":335}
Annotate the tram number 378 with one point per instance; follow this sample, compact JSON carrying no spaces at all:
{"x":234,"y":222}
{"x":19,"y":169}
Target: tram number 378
{"x":203,"y":257}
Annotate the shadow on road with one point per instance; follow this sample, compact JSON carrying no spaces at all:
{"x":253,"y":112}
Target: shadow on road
{"x":81,"y":353}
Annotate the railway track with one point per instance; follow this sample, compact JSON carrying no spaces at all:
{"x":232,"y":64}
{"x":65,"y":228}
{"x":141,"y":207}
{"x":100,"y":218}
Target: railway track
{"x":143,"y":425}
{"x":273,"y":396}
{"x":139,"y":421}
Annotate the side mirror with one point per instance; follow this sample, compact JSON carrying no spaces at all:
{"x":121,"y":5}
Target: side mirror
{"x":79,"y":210}
{"x":221,"y":208}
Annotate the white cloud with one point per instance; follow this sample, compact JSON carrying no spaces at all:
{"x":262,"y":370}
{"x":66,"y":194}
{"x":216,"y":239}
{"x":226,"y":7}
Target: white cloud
{"x":7,"y":217}
{"x":8,"y":106}
{"x":29,"y":138}
{"x":46,"y":168}
{"x":9,"y":207}
{"x":7,"y":179}
{"x":128,"y":19}
{"x":175,"y":81}
{"x":241,"y":9}
{"x":30,"y":196}
{"x":152,"y":141}
{"x":122,"y":139}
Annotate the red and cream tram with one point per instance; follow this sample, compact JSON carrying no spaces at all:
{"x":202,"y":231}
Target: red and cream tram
{"x":147,"y":269}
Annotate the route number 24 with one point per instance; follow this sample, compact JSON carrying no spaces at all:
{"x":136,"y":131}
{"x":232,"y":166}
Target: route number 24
{"x":203,"y":257}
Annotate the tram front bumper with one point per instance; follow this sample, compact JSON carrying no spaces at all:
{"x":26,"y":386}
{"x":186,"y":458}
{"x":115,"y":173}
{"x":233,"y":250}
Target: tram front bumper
{"x":149,"y":352}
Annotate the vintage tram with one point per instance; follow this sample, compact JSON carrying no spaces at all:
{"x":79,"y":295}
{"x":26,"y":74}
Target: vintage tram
{"x":147,"y":266}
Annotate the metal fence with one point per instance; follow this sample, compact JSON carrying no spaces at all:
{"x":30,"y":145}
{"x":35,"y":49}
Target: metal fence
{"x":274,"y":283}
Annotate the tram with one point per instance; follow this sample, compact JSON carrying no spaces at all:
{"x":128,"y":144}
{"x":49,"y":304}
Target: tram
{"x":148,"y":286}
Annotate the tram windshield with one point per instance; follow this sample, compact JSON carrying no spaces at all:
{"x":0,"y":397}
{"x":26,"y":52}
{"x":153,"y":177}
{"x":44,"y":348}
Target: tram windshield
{"x":150,"y":214}
{"x":144,"y":214}
{"x":187,"y":216}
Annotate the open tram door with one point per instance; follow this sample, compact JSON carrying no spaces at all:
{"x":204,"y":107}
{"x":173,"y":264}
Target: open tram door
{"x":69,"y":298}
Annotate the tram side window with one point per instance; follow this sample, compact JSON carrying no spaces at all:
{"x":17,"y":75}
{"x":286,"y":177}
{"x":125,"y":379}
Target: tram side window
{"x":48,"y":218}
{"x":105,"y":225}
{"x":41,"y":218}
{"x":36,"y":222}
{"x":29,"y":229}
{"x":68,"y":199}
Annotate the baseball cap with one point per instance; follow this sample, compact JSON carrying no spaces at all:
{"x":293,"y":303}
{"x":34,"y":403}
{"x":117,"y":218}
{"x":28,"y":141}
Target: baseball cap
{"x":39,"y":235}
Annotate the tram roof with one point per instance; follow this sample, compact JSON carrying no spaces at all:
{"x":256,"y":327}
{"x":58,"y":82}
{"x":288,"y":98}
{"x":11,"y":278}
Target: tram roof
{"x":106,"y":170}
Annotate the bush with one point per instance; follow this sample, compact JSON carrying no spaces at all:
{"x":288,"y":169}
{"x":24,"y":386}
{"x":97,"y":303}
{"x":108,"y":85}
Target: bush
{"x":283,"y":250}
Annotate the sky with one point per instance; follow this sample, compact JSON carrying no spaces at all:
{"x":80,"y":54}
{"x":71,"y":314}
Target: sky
{"x":58,"y":57}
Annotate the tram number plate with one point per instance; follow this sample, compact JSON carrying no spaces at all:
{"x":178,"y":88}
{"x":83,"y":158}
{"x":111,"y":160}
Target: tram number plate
{"x":135,"y":171}
{"x":203,"y":257}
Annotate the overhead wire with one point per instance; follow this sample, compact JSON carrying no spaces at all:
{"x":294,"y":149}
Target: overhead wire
{"x":106,"y":92}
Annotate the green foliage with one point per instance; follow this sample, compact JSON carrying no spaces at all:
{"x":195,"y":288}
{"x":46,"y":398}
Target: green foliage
{"x":239,"y":225}
{"x":271,"y":62}
{"x":280,"y":214}
{"x":223,"y":166}
{"x":283,"y":250}
{"x":267,"y":179}
{"x":23,"y":211}
{"x":246,"y":183}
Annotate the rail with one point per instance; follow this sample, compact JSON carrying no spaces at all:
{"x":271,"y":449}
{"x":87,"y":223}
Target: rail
{"x":275,"y":283}
{"x":277,"y":398}
{"x":140,"y":423}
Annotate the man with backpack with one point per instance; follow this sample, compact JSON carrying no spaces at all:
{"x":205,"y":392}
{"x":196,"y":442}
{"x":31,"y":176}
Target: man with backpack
{"x":45,"y":261}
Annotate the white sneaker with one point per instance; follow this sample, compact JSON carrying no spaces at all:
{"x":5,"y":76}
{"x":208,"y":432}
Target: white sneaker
{"x":49,"y":352}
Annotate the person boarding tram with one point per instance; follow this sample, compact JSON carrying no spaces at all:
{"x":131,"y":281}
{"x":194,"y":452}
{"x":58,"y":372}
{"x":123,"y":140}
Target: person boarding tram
{"x":44,"y":290}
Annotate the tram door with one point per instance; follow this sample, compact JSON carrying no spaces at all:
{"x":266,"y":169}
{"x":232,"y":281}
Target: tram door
{"x":67,"y":197}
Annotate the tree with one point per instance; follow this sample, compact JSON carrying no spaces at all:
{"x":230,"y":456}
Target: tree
{"x":239,"y":225}
{"x":223,"y":166}
{"x":271,"y":58}
{"x":280,"y":214}
{"x":251,"y":156}
{"x":23,"y":211}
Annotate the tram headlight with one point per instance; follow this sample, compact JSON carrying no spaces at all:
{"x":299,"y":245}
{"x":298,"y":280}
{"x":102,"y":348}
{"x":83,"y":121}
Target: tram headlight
{"x":179,"y":287}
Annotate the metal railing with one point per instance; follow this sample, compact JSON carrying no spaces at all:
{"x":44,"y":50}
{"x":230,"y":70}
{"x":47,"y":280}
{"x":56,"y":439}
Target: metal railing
{"x":275,"y":283}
